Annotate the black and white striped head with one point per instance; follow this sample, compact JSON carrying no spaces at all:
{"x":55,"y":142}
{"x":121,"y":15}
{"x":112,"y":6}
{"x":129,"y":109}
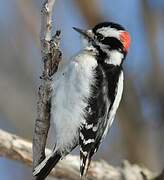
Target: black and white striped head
{"x":109,"y":39}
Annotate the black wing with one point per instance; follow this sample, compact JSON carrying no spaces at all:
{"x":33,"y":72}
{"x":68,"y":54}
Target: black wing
{"x":96,"y":115}
{"x":98,"y":110}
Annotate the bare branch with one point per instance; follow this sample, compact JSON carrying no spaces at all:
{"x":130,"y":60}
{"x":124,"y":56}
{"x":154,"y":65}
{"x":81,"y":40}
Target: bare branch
{"x":51,"y":56}
{"x":14,"y":147}
{"x":46,"y":19}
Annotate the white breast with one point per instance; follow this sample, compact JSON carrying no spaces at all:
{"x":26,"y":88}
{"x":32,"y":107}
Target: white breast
{"x":71,"y":89}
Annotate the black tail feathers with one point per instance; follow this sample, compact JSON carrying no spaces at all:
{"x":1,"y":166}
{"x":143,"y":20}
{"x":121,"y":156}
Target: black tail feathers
{"x":44,"y":168}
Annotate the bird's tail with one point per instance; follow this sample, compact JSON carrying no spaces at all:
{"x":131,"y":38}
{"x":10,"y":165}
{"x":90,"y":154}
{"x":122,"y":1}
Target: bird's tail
{"x":84,"y":164}
{"x":44,"y":168}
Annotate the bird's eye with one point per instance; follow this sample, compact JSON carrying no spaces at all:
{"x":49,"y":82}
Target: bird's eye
{"x":100,"y":37}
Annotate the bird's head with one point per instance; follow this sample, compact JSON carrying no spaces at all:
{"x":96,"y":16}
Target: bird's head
{"x":109,"y":38}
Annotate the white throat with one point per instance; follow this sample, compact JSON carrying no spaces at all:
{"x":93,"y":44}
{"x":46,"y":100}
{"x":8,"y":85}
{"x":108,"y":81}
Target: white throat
{"x":115,"y":57}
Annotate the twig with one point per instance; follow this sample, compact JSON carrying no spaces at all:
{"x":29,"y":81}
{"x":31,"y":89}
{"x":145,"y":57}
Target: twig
{"x":51,"y":56}
{"x":14,"y":147}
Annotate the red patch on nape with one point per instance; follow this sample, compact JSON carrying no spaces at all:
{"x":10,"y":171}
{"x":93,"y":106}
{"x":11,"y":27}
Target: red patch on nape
{"x":125,"y":39}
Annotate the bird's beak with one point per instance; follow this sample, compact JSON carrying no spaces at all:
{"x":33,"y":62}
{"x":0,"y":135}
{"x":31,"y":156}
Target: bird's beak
{"x":86,"y":33}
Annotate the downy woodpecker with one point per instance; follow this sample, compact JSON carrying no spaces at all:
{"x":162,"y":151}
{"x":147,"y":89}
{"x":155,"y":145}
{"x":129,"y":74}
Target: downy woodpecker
{"x":87,"y":93}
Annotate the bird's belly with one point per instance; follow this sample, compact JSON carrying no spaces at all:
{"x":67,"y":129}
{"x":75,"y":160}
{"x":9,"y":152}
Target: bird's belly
{"x":67,"y":118}
{"x":71,"y":90}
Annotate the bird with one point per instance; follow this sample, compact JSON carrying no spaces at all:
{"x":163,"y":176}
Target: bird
{"x":86,"y":95}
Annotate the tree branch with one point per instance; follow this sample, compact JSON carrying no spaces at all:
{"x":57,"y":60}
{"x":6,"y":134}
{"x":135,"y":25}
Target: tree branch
{"x":51,"y":56}
{"x":14,"y":147}
{"x":46,"y":19}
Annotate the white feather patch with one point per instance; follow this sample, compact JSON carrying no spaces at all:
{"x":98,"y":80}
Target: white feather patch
{"x":88,"y":141}
{"x":89,"y":126}
{"x":95,"y":128}
{"x":109,"y":32}
{"x":115,"y":57}
{"x":83,"y":152}
{"x":81,"y":136}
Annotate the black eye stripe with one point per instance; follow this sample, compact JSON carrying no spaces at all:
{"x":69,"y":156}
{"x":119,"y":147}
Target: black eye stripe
{"x":108,"y":40}
{"x":112,"y":42}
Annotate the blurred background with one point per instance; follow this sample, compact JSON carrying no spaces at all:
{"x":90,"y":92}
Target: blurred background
{"x":138,"y":132}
